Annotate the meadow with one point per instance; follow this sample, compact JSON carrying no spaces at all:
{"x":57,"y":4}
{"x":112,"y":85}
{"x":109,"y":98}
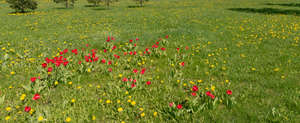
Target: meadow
{"x":169,"y":61}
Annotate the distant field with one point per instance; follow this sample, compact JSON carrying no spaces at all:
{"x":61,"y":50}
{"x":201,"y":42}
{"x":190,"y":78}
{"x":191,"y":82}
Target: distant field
{"x":189,"y":56}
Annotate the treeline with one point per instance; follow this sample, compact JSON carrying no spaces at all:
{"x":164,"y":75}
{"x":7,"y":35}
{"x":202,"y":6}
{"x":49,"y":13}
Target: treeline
{"x":25,"y":5}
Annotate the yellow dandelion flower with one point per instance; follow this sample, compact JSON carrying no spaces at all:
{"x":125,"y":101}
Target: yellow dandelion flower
{"x":40,"y":118}
{"x":68,"y":119}
{"x":133,"y":103}
{"x":93,"y":117}
{"x":12,"y":73}
{"x":213,"y":88}
{"x":10,"y":87}
{"x":118,"y":101}
{"x":70,"y":83}
{"x":56,"y":83}
{"x":141,"y":109}
{"x":155,"y":114}
{"x":108,"y":101}
{"x":8,"y":108}
{"x":143,"y":114}
{"x":276,"y":69}
{"x":73,"y":100}
{"x":126,"y":92}
{"x":89,"y":70}
{"x":98,"y":86}
{"x":7,"y":117}
{"x":120,"y":75}
{"x":120,"y":109}
{"x":253,"y":69}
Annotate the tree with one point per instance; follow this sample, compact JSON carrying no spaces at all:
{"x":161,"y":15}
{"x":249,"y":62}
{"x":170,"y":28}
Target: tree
{"x":95,"y":2}
{"x":107,"y":2}
{"x":22,"y":5}
{"x":68,"y":3}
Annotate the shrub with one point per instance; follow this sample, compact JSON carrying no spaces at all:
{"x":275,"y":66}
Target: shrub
{"x":22,"y":5}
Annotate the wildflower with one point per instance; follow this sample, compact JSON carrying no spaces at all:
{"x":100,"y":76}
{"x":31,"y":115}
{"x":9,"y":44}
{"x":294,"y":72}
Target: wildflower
{"x":44,"y":65}
{"x":141,"y":109}
{"x":155,"y":114}
{"x":73,"y":100}
{"x":8,"y":108}
{"x":143,"y":70}
{"x":56,"y":83}
{"x":40,"y":118}
{"x":229,"y":92}
{"x":108,"y":101}
{"x":50,"y":69}
{"x":148,"y":82}
{"x":12,"y":73}
{"x":133,"y":103}
{"x":194,"y":94}
{"x":7,"y":117}
{"x":70,"y":83}
{"x":143,"y":114}
{"x":182,"y":63}
{"x":68,"y":119}
{"x":171,"y":104}
{"x":27,"y":109}
{"x":135,"y":70}
{"x":33,"y":79}
{"x":179,"y":106}
{"x":163,"y":49}
{"x":36,"y":97}
{"x":120,"y":109}
{"x":195,"y":88}
{"x":93,"y":117}
{"x":22,"y":96}
{"x":276,"y":69}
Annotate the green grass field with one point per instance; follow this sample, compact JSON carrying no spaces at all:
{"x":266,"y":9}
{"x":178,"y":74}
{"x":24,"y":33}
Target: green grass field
{"x":250,"y":47}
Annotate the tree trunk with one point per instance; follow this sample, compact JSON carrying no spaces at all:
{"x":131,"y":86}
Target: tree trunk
{"x":67,"y":3}
{"x":141,"y":3}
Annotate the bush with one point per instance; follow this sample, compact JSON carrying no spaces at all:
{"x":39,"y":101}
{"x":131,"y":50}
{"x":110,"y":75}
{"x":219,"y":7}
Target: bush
{"x":22,"y":5}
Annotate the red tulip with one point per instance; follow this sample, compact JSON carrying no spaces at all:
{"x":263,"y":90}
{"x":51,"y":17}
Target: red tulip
{"x":194,"y":94}
{"x":229,"y":92}
{"x":33,"y":79}
{"x":171,"y":104}
{"x":195,"y":88}
{"x":44,"y":65}
{"x":50,"y":69}
{"x":135,"y":70}
{"x":27,"y":109}
{"x":163,"y":49}
{"x":148,"y":82}
{"x":182,"y":63}
{"x":179,"y":106}
{"x":36,"y":97}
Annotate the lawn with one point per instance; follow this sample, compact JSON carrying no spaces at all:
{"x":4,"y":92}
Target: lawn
{"x":169,"y":61}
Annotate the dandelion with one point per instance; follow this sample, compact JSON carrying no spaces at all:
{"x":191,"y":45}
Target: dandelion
{"x":108,"y":101}
{"x":143,"y":114}
{"x":73,"y":100}
{"x":40,"y":118}
{"x":276,"y":69}
{"x":68,"y":119}
{"x":8,"y":108}
{"x":56,"y":83}
{"x":155,"y":114}
{"x":70,"y":83}
{"x":120,"y":109}
{"x":7,"y":117}
{"x":133,"y":103}
{"x":141,"y":109}
{"x":12,"y":73}
{"x":93,"y":117}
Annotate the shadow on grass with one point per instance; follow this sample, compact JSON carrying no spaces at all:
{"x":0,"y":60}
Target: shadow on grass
{"x":285,"y":4}
{"x":62,"y":8}
{"x":91,"y":5}
{"x":135,"y":6}
{"x":267,"y":11}
{"x":100,"y":9}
